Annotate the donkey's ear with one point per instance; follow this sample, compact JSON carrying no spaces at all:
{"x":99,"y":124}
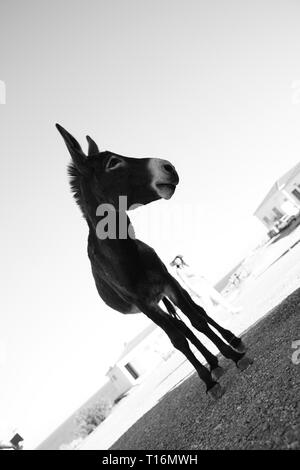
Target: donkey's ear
{"x":78,"y":157}
{"x":93,"y":147}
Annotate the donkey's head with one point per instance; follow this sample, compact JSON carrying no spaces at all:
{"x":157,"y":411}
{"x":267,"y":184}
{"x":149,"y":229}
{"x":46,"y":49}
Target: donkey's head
{"x":105,"y":175}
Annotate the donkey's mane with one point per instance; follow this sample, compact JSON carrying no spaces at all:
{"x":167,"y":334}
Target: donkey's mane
{"x":75,"y":181}
{"x":75,"y":178}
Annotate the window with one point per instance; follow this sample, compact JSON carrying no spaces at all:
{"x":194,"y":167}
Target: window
{"x":296,"y":193}
{"x":132,"y":370}
{"x":266,"y":220}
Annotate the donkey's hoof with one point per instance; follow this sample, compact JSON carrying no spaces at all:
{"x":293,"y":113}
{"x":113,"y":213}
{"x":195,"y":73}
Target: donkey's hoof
{"x":216,"y":391}
{"x":243,"y":363}
{"x":238,"y":345}
{"x":217,"y":372}
{"x":242,"y":348}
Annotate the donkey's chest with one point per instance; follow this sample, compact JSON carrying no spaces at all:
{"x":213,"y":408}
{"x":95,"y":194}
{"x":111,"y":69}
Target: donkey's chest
{"x":124,"y":294}
{"x":129,"y":274}
{"x":132,"y":282}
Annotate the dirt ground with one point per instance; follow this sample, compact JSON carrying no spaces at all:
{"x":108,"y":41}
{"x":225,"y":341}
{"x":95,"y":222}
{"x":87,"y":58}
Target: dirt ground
{"x":261,"y":406}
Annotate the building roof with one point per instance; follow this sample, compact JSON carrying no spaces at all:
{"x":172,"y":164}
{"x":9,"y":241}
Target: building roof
{"x":280,"y":184}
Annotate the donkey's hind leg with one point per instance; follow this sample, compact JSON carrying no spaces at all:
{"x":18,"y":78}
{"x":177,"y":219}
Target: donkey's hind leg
{"x":183,"y":296}
{"x":200,"y":320}
{"x":179,"y":340}
{"x":233,"y":340}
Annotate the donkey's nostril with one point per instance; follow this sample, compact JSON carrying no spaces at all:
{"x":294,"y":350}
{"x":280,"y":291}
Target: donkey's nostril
{"x":168,"y":168}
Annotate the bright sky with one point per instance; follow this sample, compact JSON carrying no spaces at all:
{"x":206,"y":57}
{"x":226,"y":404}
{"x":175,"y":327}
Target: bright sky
{"x":213,"y":86}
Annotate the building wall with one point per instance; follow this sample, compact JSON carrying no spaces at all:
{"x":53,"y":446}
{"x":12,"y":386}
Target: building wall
{"x":293,"y":190}
{"x":140,"y":361}
{"x":121,"y":380}
{"x":283,"y":199}
{"x":273,"y":209}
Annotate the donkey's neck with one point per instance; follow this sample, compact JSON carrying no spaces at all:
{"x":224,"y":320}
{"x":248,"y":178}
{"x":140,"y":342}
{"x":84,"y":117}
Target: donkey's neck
{"x":107,"y":223}
{"x":112,"y":226}
{"x":112,"y":246}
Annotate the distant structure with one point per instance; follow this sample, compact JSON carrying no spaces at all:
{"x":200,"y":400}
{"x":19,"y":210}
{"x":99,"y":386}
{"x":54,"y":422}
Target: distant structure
{"x":13,"y":444}
{"x":140,"y":357}
{"x":282,"y":203}
{"x":16,"y":441}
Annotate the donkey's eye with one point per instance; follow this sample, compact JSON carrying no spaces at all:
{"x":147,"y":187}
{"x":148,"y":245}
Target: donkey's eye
{"x":113,"y":163}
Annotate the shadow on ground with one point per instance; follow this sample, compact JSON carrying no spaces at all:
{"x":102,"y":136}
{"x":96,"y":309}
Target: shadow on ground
{"x":261,"y":406}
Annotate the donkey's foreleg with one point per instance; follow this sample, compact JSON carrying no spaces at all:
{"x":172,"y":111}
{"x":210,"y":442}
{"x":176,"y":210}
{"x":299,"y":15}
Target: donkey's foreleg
{"x":233,"y":340}
{"x":175,"y":332}
{"x":199,"y":319}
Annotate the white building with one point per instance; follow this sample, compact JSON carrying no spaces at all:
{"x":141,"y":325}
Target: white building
{"x":139,"y":358}
{"x":282,"y":201}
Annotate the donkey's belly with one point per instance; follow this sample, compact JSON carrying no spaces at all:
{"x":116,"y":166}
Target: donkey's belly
{"x":113,"y":298}
{"x":121,"y":306}
{"x":118,"y":303}
{"x":134,"y":309}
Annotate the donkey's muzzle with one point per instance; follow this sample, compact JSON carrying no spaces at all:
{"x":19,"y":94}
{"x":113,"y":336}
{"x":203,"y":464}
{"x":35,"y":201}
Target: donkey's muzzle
{"x":164,"y":177}
{"x":170,"y":171}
